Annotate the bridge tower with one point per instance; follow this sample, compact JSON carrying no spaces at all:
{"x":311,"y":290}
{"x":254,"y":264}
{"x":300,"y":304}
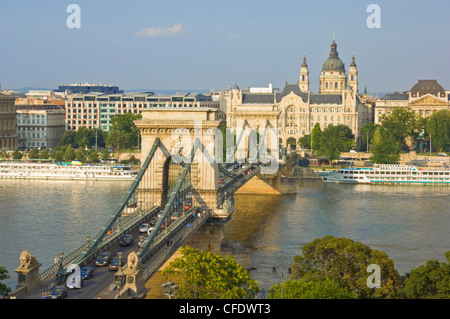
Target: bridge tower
{"x":177,"y":131}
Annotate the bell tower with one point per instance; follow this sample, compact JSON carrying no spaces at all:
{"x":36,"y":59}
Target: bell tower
{"x":304,"y":76}
{"x":353,"y":75}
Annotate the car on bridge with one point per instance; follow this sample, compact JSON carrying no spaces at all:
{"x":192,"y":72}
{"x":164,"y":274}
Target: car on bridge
{"x":59,"y":292}
{"x":114,"y":265}
{"x":144,"y":228}
{"x":87,"y":272}
{"x":127,"y":240}
{"x":103,"y":259}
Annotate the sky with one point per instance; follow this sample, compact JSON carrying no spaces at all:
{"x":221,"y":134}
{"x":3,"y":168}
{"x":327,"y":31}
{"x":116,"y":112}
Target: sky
{"x":208,"y":44}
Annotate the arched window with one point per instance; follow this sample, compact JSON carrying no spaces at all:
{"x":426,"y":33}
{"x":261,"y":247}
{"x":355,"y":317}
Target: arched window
{"x":335,"y":85}
{"x":303,"y":77}
{"x":326,"y":85}
{"x":353,"y":77}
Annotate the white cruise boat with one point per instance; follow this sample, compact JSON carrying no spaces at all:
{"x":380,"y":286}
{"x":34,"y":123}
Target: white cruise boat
{"x":66,"y":171}
{"x":387,"y":174}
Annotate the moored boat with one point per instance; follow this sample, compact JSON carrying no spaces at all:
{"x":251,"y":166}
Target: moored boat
{"x":66,"y":171}
{"x":387,"y":174}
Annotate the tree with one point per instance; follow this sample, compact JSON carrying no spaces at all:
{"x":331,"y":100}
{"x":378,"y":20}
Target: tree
{"x":83,"y":138}
{"x":118,"y":140}
{"x":438,"y":126}
{"x":33,"y":153}
{"x":80,"y":154}
{"x":16,"y":154}
{"x":3,"y":275}
{"x":104,"y":154}
{"x":44,"y":154}
{"x":305,"y":141}
{"x":92,"y":155}
{"x":316,"y":137}
{"x":346,"y":261}
{"x":69,"y":154}
{"x":68,"y":138}
{"x":125,"y":123}
{"x":202,"y":275}
{"x":402,"y":122}
{"x":384,"y":149}
{"x":367,"y":131}
{"x":334,"y":140}
{"x":299,"y":289}
{"x":431,"y":280}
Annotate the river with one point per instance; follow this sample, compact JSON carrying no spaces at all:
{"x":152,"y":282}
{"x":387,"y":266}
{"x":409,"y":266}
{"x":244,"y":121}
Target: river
{"x":410,"y":223}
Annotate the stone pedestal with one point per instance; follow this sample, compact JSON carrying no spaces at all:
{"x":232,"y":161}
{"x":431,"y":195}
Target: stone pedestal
{"x":28,"y":272}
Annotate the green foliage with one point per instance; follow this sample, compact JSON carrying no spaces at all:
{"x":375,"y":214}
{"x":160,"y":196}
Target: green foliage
{"x":104,"y":154}
{"x":3,"y":275}
{"x":80,"y":154}
{"x":33,"y":153}
{"x":334,"y":140}
{"x":384,"y":149}
{"x":367,"y":132}
{"x":299,"y":289}
{"x":429,"y":281}
{"x":44,"y":154}
{"x":305,"y":141}
{"x":346,"y":262}
{"x":202,"y":275}
{"x":402,"y":122}
{"x":84,"y":137}
{"x":123,"y":133}
{"x":438,"y":126}
{"x":16,"y":154}
{"x":316,"y":137}
{"x":92,"y":155}
{"x":69,"y":154}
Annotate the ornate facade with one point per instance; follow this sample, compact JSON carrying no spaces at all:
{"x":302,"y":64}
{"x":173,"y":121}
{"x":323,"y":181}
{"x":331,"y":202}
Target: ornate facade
{"x":297,"y":109}
{"x":8,"y":122}
{"x":425,"y":98}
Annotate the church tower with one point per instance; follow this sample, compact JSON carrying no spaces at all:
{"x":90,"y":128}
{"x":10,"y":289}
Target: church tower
{"x":333,"y":78}
{"x":353,"y":76}
{"x":304,"y":76}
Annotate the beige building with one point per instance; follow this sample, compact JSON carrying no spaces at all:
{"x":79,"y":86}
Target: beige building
{"x":40,"y":126}
{"x":297,"y":109}
{"x":8,"y":122}
{"x":425,"y":98}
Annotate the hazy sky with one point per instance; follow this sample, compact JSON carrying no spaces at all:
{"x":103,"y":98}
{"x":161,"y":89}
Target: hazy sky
{"x":207,"y":44}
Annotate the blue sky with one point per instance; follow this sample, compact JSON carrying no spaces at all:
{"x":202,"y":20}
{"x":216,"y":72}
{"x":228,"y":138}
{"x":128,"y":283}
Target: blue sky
{"x":200,"y":44}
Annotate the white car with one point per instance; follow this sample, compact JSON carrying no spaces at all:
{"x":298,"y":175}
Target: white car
{"x":144,"y":228}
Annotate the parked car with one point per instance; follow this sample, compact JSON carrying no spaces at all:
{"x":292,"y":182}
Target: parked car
{"x":87,"y":272}
{"x":442,"y":154}
{"x":127,"y":240}
{"x":114,"y":265}
{"x":144,"y":228}
{"x":103,"y":259}
{"x":59,"y":292}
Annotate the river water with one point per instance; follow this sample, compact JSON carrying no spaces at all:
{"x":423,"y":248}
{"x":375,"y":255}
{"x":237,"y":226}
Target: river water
{"x":410,"y":223}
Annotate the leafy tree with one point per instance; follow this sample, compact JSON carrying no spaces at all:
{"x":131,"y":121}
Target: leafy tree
{"x":68,"y":138}
{"x":125,"y":123}
{"x":33,"y":153}
{"x":334,"y":140}
{"x":346,"y":261}
{"x":367,"y":132}
{"x":82,"y":137}
{"x":305,"y":141}
{"x":80,"y":154}
{"x":402,"y":122}
{"x":438,"y":126}
{"x":69,"y":154}
{"x":92,"y":155}
{"x":429,"y":281}
{"x":118,"y":140}
{"x":44,"y":154}
{"x":104,"y":154}
{"x":202,"y":275}
{"x":316,"y":137}
{"x":3,"y":275}
{"x":16,"y":154}
{"x":299,"y":289}
{"x":384,"y":149}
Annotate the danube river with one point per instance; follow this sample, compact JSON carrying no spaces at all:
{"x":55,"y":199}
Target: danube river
{"x":410,"y":223}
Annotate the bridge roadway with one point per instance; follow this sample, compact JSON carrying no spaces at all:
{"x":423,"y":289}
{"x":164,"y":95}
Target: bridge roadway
{"x":101,"y":285}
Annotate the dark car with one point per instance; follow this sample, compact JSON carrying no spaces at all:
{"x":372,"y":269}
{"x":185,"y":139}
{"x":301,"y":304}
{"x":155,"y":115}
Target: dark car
{"x":114,"y":265}
{"x":127,"y":240}
{"x":59,"y":292}
{"x":87,"y":272}
{"x":104,"y":259}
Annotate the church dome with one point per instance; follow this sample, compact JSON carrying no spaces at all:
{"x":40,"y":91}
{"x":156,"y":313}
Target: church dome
{"x":333,"y":63}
